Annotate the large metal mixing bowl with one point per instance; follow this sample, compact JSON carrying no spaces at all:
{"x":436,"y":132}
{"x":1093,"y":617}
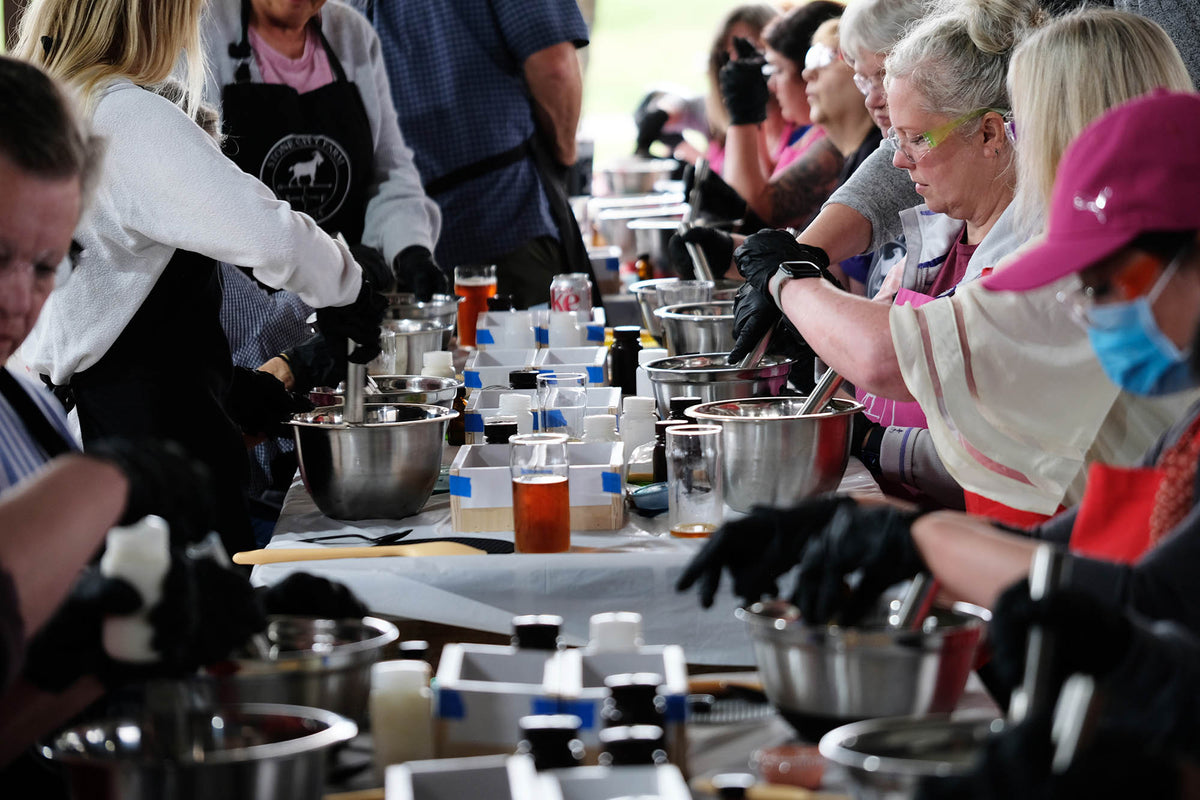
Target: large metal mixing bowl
{"x":241,"y":752}
{"x":396,"y":389}
{"x":613,"y":224}
{"x":710,"y":377}
{"x":774,"y":457}
{"x":322,"y":663}
{"x":697,"y":327}
{"x":383,"y":468}
{"x":441,"y":308}
{"x":646,"y":293}
{"x":415,"y":338}
{"x":823,"y":676}
{"x":885,"y":759}
{"x":637,"y":175}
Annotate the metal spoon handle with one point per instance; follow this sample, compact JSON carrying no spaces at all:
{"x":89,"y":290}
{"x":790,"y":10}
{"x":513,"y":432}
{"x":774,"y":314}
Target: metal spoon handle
{"x":1037,"y":690}
{"x":699,"y":260}
{"x":356,"y":374}
{"x":822,"y":393}
{"x":751,"y":359}
{"x":916,"y":603}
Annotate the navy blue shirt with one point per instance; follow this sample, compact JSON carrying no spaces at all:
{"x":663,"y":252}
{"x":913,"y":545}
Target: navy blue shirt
{"x":456,"y":72}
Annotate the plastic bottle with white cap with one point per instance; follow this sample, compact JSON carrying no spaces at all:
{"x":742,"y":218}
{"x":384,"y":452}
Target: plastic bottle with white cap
{"x":645,"y":388}
{"x":520,"y":406}
{"x":565,"y":330}
{"x":438,"y":364}
{"x":140,"y":554}
{"x":401,"y":708}
{"x":615,"y":632}
{"x":600,"y":428}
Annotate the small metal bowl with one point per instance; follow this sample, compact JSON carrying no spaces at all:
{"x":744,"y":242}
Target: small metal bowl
{"x":698,"y":327}
{"x":710,"y":377}
{"x":885,"y":759}
{"x":646,"y":293}
{"x":396,"y":389}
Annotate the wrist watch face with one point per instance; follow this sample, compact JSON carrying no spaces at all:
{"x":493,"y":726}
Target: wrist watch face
{"x":801,"y":269}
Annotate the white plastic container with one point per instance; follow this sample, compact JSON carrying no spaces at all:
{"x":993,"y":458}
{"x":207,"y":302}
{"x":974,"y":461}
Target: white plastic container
{"x":401,"y":706}
{"x":638,"y":415}
{"x":521,"y":407}
{"x":565,"y":330}
{"x":644,"y":387}
{"x":615,"y":632}
{"x":600,"y":428}
{"x":438,"y":364}
{"x":140,"y":554}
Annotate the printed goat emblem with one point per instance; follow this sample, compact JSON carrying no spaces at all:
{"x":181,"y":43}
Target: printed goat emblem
{"x":1096,"y":206}
{"x":306,"y":169}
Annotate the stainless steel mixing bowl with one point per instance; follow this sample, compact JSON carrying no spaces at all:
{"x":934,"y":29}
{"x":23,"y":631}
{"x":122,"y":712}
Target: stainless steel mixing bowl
{"x":697,"y":327}
{"x":322,"y":663}
{"x":885,"y":759}
{"x":710,"y":377}
{"x":239,"y":752}
{"x":441,"y":308}
{"x":384,"y":468}
{"x":634,"y":175}
{"x":646,"y":293}
{"x":823,"y":676}
{"x":396,"y":389}
{"x":774,"y":457}
{"x":415,"y":338}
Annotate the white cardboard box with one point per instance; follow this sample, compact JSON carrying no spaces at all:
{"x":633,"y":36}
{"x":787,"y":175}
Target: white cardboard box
{"x":588,"y":360}
{"x":482,"y":777}
{"x":483,"y":403}
{"x":481,"y":487}
{"x":491,"y":367}
{"x":604,"y":783}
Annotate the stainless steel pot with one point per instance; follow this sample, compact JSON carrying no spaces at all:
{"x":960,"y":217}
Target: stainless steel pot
{"x":383,"y":468}
{"x":646,"y":293}
{"x":637,"y":175}
{"x":415,"y":338}
{"x":820,"y":677}
{"x":238,"y":752}
{"x":651,"y":236}
{"x":774,"y":457}
{"x":885,"y":759}
{"x":710,"y":377}
{"x":322,"y":663}
{"x":697,"y":327}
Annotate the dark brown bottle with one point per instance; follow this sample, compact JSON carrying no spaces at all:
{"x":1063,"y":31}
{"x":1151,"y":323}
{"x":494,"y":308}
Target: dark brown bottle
{"x":623,"y":358}
{"x":456,"y":431}
{"x":660,"y":447}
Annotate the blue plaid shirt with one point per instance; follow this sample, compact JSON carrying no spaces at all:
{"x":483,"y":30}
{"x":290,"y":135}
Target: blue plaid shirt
{"x":455,"y":68}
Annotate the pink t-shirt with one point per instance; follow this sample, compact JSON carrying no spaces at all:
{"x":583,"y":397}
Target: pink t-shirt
{"x":789,"y":154}
{"x":310,"y":71}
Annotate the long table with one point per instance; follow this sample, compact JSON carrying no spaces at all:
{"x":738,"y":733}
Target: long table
{"x":633,"y":569}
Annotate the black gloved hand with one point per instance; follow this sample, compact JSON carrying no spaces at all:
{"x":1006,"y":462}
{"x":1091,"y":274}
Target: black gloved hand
{"x":69,"y":645}
{"x":1015,"y":763}
{"x":358,"y":322}
{"x":650,"y":125}
{"x":1089,"y":636}
{"x":314,"y":363}
{"x":374,"y":267}
{"x":716,"y":245}
{"x":759,"y":257}
{"x":259,"y":403}
{"x":163,"y":480}
{"x":718,"y":200}
{"x":417,"y":272}
{"x":873,"y":540}
{"x":758,"y":549}
{"x":305,"y":595}
{"x":743,"y":85}
{"x":754,"y":313}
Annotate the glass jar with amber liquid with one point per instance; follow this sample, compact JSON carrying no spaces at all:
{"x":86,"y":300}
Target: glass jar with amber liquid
{"x":541,"y":493}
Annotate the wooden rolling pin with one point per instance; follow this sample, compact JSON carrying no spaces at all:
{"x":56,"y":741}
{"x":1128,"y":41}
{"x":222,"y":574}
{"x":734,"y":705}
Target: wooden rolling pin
{"x":770,"y":791}
{"x":281,"y":554}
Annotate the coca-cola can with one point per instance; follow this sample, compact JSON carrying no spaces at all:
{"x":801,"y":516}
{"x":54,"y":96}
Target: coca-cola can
{"x":571,"y":292}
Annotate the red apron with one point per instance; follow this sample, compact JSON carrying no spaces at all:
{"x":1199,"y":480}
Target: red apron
{"x":1113,"y":522}
{"x":981,"y":506}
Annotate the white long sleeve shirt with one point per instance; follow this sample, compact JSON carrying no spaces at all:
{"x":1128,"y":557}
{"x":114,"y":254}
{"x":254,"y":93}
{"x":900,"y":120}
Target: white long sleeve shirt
{"x":165,"y":185}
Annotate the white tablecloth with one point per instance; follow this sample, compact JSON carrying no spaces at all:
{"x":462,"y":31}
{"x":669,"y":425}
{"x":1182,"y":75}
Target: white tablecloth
{"x":484,"y":592}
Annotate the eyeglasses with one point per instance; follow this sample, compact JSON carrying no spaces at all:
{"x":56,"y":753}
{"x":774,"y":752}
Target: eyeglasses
{"x":48,"y":276}
{"x":867,"y":84}
{"x":917,"y":147}
{"x":1141,"y":277}
{"x":819,"y":56}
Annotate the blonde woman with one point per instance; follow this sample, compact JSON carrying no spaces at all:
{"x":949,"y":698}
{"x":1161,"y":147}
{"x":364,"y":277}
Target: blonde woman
{"x":135,"y":338}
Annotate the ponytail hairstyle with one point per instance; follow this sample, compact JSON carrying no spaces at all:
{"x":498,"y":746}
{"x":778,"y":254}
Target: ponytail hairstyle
{"x":88,"y":44}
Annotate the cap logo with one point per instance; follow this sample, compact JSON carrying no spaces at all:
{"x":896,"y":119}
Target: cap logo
{"x":1096,"y":206}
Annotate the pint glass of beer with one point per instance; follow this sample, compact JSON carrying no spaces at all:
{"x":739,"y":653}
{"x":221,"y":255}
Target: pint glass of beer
{"x":696,"y":497}
{"x":476,"y":283}
{"x":541,"y":498}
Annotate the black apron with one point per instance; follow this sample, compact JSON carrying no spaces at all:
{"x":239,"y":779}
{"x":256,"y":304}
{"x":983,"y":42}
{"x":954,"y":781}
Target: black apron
{"x":314,"y":150}
{"x":167,"y":377}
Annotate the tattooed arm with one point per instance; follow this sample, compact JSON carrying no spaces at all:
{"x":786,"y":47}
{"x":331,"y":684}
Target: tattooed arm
{"x":790,"y":197}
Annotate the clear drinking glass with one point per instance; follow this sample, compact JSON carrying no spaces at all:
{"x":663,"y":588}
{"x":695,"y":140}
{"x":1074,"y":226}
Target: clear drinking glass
{"x":562,"y":398}
{"x":541,"y":493}
{"x":476,"y":283}
{"x":671,"y":293}
{"x":696,"y":492}
{"x":385,"y":362}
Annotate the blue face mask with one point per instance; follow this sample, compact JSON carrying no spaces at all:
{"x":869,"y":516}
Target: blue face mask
{"x":1133,"y":351}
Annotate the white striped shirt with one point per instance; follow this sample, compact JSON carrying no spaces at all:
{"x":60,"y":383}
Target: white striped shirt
{"x":20,"y":454}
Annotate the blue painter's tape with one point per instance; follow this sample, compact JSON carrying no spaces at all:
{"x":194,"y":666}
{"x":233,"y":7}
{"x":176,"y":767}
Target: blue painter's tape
{"x":584,"y":709}
{"x":484,"y":336}
{"x":555,"y":418}
{"x":473,"y":423}
{"x":610,"y":482}
{"x":540,"y":706}
{"x":472,"y":380}
{"x":595,"y":333}
{"x":460,"y":486}
{"x":595,"y":375}
{"x":542,"y":335}
{"x":676,"y":710}
{"x":450,"y":704}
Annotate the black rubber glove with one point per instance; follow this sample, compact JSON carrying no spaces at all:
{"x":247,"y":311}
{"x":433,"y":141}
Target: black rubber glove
{"x":305,"y":595}
{"x":718,"y":200}
{"x":1089,"y":636}
{"x":759,"y":257}
{"x":259,"y":403}
{"x":1014,"y":763}
{"x":163,"y":480}
{"x":650,"y":125}
{"x":314,"y":363}
{"x":374,"y":267}
{"x":743,"y":85}
{"x":872,"y":540}
{"x":754,"y":313}
{"x":69,"y":645}
{"x":758,"y":549}
{"x":358,"y":322}
{"x":716,"y":245}
{"x":417,"y":272}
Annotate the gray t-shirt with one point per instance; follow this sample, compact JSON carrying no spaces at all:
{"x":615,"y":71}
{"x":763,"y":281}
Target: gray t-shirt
{"x":879,"y":192}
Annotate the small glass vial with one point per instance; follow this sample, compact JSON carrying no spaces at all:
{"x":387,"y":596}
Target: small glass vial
{"x":498,"y":429}
{"x":456,"y":430}
{"x":551,"y":740}
{"x":401,"y":708}
{"x":623,"y":358}
{"x":638,"y":415}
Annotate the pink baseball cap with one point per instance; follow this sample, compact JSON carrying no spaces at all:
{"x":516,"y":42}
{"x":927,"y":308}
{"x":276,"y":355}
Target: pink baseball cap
{"x":1132,"y":171}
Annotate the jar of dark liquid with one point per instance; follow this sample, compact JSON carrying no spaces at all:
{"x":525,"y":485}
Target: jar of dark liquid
{"x":552,"y":740}
{"x":660,"y":447}
{"x":536,"y":631}
{"x":523,"y":379}
{"x":623,"y":358}
{"x":499,"y":429}
{"x":632,"y":746}
{"x":677,"y":407}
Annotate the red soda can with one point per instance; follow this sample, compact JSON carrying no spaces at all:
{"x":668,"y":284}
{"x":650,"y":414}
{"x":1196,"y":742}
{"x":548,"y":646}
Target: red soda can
{"x":571,"y":292}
